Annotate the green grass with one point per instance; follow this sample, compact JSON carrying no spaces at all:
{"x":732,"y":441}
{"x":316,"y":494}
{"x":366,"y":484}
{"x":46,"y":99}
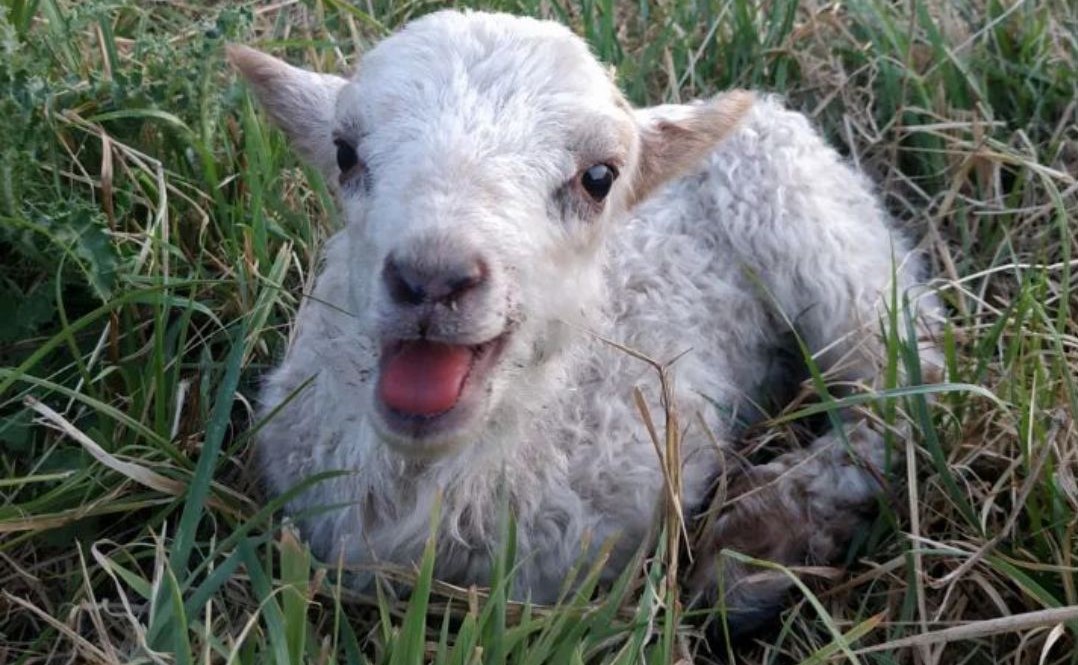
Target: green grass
{"x":155,"y":235}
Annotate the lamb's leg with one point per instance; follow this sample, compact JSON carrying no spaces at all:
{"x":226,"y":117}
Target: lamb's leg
{"x":803,"y":507}
{"x":800,"y":509}
{"x":827,"y":258}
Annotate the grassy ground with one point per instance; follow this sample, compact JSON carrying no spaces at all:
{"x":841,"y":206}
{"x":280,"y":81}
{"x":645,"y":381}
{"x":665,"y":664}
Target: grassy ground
{"x":154,"y":236}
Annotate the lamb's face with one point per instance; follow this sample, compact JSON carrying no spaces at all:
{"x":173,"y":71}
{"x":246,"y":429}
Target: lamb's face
{"x":480,"y":161}
{"x":477,"y":173}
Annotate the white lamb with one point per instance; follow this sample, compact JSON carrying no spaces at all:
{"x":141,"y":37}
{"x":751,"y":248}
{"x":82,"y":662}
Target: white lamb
{"x":506,"y":212}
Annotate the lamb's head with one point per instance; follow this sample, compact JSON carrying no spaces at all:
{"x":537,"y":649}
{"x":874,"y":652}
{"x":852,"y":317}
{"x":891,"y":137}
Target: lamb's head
{"x":479,"y":160}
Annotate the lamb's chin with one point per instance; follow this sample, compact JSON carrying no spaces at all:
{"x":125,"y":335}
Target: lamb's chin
{"x":426,"y":441}
{"x":444,"y":432}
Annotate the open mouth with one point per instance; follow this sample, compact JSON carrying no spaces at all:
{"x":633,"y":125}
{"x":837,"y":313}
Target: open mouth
{"x":422,"y":381}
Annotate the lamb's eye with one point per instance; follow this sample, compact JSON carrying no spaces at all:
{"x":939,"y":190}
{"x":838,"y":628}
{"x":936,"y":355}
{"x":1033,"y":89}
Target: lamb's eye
{"x":597,"y":180}
{"x":347,"y":159}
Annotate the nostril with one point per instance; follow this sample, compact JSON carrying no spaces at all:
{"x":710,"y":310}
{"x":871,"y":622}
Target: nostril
{"x":404,"y":286}
{"x":473,"y":276}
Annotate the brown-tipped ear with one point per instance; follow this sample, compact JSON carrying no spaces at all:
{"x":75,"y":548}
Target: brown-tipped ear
{"x":300,"y":102}
{"x":675,"y":138}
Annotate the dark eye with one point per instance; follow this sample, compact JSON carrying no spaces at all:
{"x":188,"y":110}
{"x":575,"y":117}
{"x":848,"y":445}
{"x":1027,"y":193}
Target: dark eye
{"x":597,"y":180}
{"x":347,"y":159}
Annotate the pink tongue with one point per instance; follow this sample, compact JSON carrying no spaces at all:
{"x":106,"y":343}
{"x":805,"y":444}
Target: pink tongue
{"x":424,"y":378}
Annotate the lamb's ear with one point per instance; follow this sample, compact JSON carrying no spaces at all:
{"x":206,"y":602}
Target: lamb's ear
{"x":298,"y":101}
{"x":675,"y":138}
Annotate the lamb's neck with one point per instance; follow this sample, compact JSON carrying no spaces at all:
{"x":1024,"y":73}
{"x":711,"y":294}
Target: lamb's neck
{"x":469,"y":482}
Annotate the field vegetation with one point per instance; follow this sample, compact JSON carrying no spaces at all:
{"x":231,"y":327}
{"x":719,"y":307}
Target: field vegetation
{"x":156,"y":237}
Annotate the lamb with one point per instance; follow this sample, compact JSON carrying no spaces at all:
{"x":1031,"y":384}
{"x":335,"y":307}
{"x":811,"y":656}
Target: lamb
{"x":507,"y":214}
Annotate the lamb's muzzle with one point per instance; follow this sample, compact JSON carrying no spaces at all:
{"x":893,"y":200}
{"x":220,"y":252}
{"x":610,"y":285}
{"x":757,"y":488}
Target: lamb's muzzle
{"x":437,"y":348}
{"x":514,"y":212}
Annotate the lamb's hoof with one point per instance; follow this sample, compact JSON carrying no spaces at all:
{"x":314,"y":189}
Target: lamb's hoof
{"x":738,"y":626}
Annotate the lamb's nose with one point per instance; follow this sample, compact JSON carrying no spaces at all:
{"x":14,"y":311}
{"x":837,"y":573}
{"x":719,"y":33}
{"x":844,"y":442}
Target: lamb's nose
{"x":412,"y":284}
